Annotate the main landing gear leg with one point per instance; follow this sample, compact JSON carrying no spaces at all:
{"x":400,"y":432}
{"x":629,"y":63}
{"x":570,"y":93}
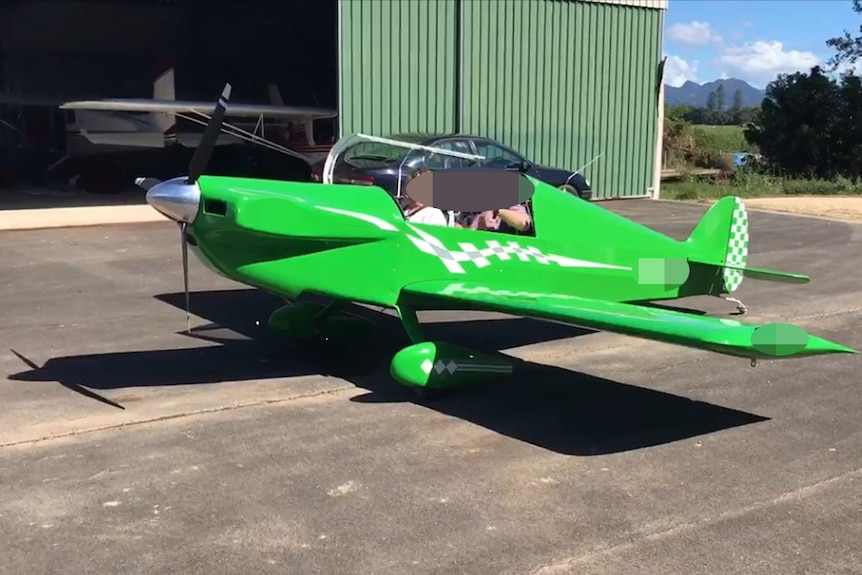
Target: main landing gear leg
{"x":411,"y":324}
{"x":433,"y":368}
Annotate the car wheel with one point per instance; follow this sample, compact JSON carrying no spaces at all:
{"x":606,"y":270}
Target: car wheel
{"x":574,"y":192}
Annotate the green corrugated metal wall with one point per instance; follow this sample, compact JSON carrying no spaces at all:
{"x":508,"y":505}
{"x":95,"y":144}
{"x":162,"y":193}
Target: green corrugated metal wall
{"x":398,"y":68}
{"x":562,"y":82}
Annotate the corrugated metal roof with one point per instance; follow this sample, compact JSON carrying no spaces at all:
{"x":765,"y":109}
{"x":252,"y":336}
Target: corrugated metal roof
{"x":657,"y":4}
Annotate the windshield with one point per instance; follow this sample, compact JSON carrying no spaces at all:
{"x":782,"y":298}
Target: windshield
{"x":368,"y":154}
{"x":375,"y":151}
{"x":390,"y":162}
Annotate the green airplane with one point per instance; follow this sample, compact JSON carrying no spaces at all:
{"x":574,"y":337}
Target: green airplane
{"x":352,"y":244}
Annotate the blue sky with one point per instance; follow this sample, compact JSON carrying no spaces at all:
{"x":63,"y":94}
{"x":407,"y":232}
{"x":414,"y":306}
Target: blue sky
{"x":753,"y":40}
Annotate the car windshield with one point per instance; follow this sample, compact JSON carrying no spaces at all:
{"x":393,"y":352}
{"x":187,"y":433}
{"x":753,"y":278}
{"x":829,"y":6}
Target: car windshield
{"x":375,"y":151}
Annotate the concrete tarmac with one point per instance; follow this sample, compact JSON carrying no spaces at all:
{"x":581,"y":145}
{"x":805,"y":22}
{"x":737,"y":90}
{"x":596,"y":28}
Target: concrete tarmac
{"x":128,"y":446}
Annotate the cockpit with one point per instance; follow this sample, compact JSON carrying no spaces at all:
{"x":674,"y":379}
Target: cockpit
{"x":392,"y":163}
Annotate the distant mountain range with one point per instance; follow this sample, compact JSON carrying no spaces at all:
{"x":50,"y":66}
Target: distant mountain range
{"x":696,"y":95}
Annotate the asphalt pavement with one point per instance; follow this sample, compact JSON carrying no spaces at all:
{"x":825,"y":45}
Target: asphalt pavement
{"x":128,"y":446}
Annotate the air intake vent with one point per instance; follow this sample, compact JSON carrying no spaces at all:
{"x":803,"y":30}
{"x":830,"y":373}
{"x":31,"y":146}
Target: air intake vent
{"x":215,"y":207}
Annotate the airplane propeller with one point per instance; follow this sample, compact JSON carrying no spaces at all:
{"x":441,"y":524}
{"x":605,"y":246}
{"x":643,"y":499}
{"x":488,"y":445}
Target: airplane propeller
{"x":185,"y":249}
{"x":197,"y":165}
{"x":208,"y":142}
{"x":179,"y":198}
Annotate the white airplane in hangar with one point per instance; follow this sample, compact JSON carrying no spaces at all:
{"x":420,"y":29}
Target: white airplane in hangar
{"x":124,"y":124}
{"x":131,"y":122}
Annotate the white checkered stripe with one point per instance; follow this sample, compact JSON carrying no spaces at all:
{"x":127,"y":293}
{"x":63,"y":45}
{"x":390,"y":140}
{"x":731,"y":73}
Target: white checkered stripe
{"x":480,"y":257}
{"x":450,"y":367}
{"x":737,"y":247}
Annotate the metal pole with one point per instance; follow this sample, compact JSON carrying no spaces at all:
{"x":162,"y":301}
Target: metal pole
{"x":459,"y":68}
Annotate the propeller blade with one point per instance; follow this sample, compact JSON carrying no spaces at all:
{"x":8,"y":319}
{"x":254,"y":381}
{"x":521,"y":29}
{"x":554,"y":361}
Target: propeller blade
{"x":207,"y":144}
{"x":185,"y":247}
{"x":147,"y":183}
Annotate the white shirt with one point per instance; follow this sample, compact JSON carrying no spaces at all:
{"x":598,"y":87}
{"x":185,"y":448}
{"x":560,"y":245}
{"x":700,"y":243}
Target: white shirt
{"x":428,"y":215}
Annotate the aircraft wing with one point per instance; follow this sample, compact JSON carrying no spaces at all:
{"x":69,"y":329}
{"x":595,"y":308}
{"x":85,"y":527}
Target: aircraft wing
{"x":726,"y":336}
{"x":202,"y":108}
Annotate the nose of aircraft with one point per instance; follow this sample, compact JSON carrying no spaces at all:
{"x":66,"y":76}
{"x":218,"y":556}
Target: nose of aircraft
{"x":176,"y":199}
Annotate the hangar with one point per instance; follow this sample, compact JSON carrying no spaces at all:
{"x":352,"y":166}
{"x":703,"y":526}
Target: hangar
{"x":562,"y":81}
{"x":566,"y":82}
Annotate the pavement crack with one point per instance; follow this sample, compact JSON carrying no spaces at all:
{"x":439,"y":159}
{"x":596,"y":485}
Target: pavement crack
{"x":568,"y":565}
{"x":222,"y":408}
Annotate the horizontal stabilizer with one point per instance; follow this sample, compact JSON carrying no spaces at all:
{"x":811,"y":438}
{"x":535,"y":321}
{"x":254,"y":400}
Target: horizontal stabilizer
{"x":771,"y":275}
{"x":762,"y":273}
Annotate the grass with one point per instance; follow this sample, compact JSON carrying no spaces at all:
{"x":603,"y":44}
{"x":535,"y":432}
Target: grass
{"x":714,"y":142}
{"x":707,"y":146}
{"x":721,"y":139}
{"x":753,"y":185}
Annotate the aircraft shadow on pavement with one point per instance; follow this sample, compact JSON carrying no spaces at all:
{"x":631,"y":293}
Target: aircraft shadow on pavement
{"x":553,"y":408}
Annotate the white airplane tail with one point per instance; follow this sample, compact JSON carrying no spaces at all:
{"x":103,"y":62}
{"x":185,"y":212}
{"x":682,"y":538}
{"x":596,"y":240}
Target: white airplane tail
{"x":106,"y":128}
{"x":275,"y":95}
{"x":164,"y":89}
{"x":297,"y":130}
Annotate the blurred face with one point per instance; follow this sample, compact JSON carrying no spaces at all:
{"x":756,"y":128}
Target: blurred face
{"x":411,"y":203}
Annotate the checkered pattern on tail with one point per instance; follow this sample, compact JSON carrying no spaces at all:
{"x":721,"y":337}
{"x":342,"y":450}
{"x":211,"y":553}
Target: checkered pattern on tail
{"x":737,"y":247}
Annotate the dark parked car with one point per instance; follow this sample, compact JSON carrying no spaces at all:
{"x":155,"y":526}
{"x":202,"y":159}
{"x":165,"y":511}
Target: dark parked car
{"x":378,"y":164}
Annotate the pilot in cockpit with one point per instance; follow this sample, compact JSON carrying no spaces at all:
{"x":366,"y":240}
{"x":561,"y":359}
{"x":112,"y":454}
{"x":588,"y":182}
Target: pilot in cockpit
{"x":418,"y":213}
{"x":513,"y":220}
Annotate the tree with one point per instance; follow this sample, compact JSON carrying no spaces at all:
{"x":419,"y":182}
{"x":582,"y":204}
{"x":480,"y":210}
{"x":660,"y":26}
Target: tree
{"x":719,"y":97}
{"x":711,"y":102}
{"x":848,"y":127}
{"x":735,"y":111}
{"x":675,"y":127}
{"x":848,"y":48}
{"x":810,"y":125}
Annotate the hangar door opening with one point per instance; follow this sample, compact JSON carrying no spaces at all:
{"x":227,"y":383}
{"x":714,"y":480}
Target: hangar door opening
{"x":91,"y":49}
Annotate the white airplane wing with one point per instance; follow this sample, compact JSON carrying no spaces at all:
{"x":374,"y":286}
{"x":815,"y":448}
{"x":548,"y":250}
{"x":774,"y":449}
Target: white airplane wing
{"x":201,"y":108}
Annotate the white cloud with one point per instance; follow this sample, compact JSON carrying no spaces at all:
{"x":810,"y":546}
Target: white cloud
{"x":844,"y":67}
{"x":677,"y":71}
{"x":694,"y":33}
{"x":760,"y":62}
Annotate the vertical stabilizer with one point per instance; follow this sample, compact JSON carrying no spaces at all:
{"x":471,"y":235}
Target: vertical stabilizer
{"x":164,"y":89}
{"x":297,"y":130}
{"x":275,"y":95}
{"x":721,"y":239}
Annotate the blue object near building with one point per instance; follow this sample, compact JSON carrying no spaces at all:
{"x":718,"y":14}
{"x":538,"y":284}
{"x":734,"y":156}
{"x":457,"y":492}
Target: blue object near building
{"x":739,"y":159}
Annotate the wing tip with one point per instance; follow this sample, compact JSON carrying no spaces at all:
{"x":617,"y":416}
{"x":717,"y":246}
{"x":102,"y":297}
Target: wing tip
{"x":772,"y":341}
